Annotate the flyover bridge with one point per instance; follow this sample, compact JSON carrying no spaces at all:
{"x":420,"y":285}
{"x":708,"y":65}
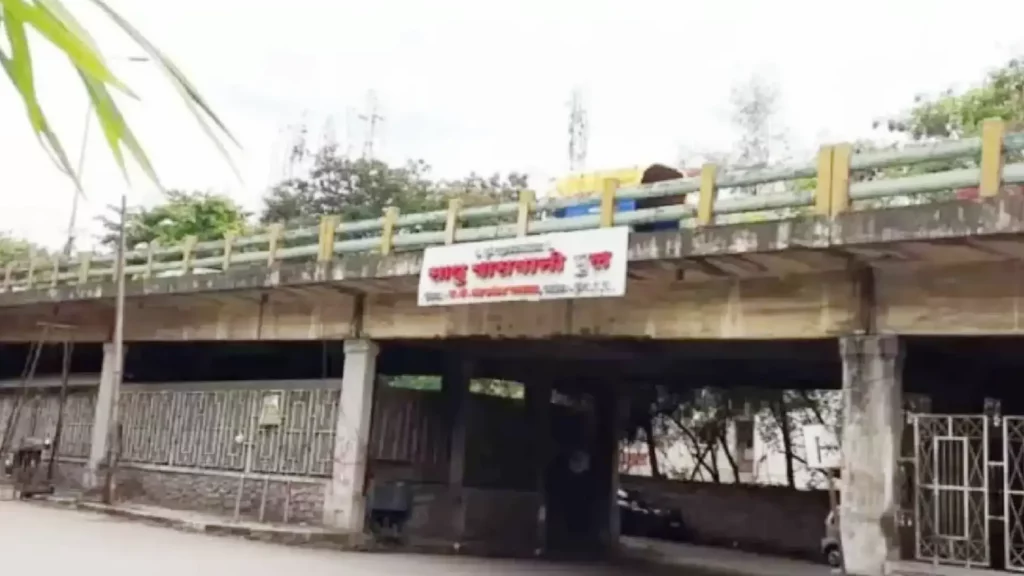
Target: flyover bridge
{"x":853,"y":248}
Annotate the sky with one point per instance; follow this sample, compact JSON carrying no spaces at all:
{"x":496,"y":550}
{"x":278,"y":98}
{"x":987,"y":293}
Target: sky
{"x":481,"y":86}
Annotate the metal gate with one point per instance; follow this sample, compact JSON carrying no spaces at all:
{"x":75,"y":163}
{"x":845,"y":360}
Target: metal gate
{"x":1013,"y":491}
{"x":951,"y":489}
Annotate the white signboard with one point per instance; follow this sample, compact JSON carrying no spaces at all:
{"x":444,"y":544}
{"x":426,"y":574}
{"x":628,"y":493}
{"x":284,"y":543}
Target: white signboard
{"x":822,"y":448}
{"x":584,"y":264}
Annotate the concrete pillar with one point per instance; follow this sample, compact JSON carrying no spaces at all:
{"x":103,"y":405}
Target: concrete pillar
{"x":344,"y":501}
{"x":538,"y":407}
{"x":102,"y":421}
{"x":455,"y":386}
{"x":872,"y":429}
{"x":610,"y":423}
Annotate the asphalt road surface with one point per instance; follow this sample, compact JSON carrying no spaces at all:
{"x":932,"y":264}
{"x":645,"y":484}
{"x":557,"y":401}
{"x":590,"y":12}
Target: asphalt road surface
{"x":47,"y":541}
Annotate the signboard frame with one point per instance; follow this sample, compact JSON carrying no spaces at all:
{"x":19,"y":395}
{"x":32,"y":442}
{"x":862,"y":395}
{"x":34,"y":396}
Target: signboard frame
{"x":562,"y":265}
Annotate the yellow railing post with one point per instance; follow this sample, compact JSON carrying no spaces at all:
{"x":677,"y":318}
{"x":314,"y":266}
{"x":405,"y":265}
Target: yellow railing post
{"x":8,"y":275}
{"x":823,"y":192}
{"x":451,"y":222}
{"x":608,"y":189}
{"x":30,"y":278}
{"x":55,"y":272}
{"x":84,"y":261}
{"x":229,"y":249}
{"x":708,"y":194}
{"x":527,"y":199}
{"x":273,"y":242}
{"x":839,"y":196}
{"x":387,"y":236}
{"x":188,"y":247}
{"x":992,"y":132}
{"x":150,"y":259}
{"x":328,"y":229}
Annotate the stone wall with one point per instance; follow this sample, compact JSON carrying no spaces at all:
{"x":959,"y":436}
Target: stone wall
{"x":771,"y":519}
{"x":263,"y":498}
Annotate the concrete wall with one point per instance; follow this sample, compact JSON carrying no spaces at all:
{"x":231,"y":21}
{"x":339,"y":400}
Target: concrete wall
{"x":749,"y":517}
{"x":180,"y":450}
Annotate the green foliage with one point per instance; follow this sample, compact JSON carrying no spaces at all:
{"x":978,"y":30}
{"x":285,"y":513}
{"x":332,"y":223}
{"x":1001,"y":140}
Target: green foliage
{"x":12,"y":248}
{"x":204,"y":215}
{"x":958,"y":115}
{"x":361,"y":189}
{"x":355,"y":189}
{"x":486,"y":386}
{"x":58,"y":27}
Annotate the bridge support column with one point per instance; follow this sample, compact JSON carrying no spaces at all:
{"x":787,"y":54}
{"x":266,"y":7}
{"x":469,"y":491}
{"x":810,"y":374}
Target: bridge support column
{"x":538,"y":406}
{"x":611,"y":421}
{"x":455,"y":386}
{"x":102,"y":421}
{"x":344,"y":501}
{"x":872,"y":429}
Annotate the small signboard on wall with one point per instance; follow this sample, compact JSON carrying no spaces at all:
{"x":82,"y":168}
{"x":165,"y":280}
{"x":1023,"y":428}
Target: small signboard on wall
{"x":822,"y":448}
{"x":270,"y":410}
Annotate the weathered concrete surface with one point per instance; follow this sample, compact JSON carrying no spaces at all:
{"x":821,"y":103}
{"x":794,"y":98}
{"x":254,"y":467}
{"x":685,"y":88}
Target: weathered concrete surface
{"x":119,"y":547}
{"x":122,"y":548}
{"x":947,"y":268}
{"x":871,"y":439}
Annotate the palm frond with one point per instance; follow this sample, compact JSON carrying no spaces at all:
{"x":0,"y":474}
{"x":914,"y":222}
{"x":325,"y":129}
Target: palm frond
{"x":58,"y":26}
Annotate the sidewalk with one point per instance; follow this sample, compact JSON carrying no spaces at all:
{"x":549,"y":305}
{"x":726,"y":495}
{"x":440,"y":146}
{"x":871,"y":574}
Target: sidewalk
{"x":718,"y":561}
{"x":289,"y":534}
{"x":633,"y":551}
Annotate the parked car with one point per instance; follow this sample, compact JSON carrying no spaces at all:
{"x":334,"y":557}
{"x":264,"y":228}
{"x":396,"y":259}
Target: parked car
{"x":830,"y":547}
{"x":638,"y":517}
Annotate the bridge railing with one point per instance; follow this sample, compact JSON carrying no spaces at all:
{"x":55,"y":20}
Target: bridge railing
{"x":827,"y":187}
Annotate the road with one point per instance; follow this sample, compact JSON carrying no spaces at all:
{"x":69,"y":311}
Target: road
{"x":57,"y":542}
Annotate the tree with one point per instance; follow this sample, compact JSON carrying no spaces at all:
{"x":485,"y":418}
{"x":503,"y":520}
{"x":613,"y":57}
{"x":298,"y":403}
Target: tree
{"x":57,"y":26}
{"x":958,"y":115}
{"x":201,"y":214}
{"x":783,"y":416}
{"x":355,"y":189}
{"x":13,"y":248}
{"x":360,"y":189}
{"x":756,"y":107}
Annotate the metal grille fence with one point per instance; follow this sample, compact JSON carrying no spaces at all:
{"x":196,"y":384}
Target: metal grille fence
{"x":210,"y":429}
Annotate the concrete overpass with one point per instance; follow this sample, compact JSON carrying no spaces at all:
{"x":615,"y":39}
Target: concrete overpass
{"x":807,"y":262}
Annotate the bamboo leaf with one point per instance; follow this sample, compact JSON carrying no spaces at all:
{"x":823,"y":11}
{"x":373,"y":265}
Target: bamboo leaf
{"x":18,"y":67}
{"x":196,"y":104}
{"x":84,"y":58}
{"x":57,"y":9}
{"x":116,"y":130}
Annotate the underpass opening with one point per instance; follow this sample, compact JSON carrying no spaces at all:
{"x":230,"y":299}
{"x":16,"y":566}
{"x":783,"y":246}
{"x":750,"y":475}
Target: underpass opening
{"x":581,"y":374}
{"x":539,"y":469}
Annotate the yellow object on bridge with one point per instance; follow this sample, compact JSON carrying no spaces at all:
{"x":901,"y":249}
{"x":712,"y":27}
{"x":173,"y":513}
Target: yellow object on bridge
{"x":591,"y":183}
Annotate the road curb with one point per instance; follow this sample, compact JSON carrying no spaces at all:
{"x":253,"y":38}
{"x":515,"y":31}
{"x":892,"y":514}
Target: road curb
{"x":274,"y":534}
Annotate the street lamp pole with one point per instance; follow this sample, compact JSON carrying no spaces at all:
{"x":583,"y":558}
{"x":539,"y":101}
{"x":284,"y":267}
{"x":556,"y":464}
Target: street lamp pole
{"x":69,"y":245}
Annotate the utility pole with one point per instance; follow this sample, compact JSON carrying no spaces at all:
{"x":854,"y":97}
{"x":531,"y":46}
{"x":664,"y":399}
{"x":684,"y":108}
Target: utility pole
{"x":372,"y":119}
{"x":114,"y":438}
{"x":579,"y":131}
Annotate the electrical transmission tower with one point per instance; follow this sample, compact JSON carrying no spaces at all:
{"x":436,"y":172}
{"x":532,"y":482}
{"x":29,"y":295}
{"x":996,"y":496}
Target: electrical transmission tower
{"x":372,"y":118}
{"x":329,"y":136}
{"x":579,"y":131}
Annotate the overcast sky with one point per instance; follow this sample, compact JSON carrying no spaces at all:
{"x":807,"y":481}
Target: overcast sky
{"x":469,"y":85}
